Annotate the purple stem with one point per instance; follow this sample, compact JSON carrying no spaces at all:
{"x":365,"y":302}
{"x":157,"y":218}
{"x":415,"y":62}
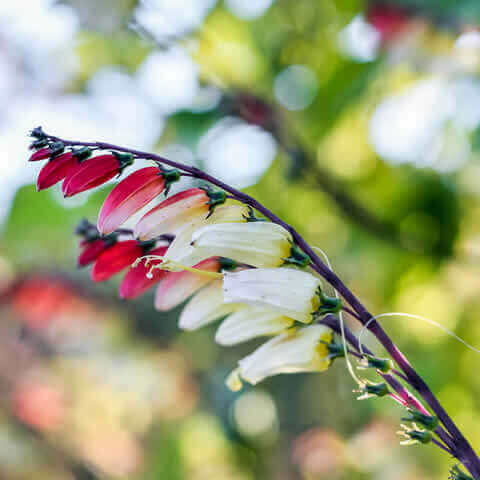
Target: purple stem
{"x":462,"y":449}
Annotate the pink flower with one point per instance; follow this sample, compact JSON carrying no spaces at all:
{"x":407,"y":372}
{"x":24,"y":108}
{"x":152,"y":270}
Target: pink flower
{"x":171,"y":215}
{"x":129,"y":196}
{"x":94,"y":172}
{"x":55,"y":170}
{"x":178,"y":286}
{"x":138,"y":280}
{"x":41,"y":154}
{"x":116,"y":258}
{"x":91,"y":251}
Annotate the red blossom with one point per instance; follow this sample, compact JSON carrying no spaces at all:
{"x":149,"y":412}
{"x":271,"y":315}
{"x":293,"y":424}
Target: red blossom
{"x":116,"y":258}
{"x":55,"y":170}
{"x":41,"y":154}
{"x":129,"y":196}
{"x":136,"y":282}
{"x":91,"y":251}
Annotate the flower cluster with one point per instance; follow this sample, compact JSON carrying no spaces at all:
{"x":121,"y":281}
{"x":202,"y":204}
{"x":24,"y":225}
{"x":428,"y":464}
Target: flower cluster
{"x":199,"y":244}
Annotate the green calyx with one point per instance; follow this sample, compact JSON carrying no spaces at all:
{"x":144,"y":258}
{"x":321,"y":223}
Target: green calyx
{"x":422,"y":436}
{"x":457,"y":474}
{"x":124,"y":160}
{"x":251,"y":217}
{"x":297,"y":257}
{"x":227,"y":263}
{"x":40,"y":143}
{"x":376,"y":389}
{"x":57,"y":148}
{"x":430,"y":422}
{"x":82,"y":154}
{"x":170,"y":175}
{"x":38,"y":133}
{"x":328,"y":304}
{"x":335,"y":350}
{"x":215,"y":198}
{"x":384,"y":365}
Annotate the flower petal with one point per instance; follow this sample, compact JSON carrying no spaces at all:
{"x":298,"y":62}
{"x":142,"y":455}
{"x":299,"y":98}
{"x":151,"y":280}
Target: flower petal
{"x":205,"y":307}
{"x":115,"y":259}
{"x":90,"y":174}
{"x":91,"y":251}
{"x":182,"y":251}
{"x":55,"y":170}
{"x":41,"y":154}
{"x":251,"y":322}
{"x":138,"y":280}
{"x":290,"y":352}
{"x":178,"y":286}
{"x":286,"y":290}
{"x":261,"y":244}
{"x":171,"y":215}
{"x":129,"y":196}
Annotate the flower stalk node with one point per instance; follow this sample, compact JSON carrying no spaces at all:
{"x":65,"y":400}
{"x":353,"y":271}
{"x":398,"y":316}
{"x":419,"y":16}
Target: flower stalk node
{"x":428,"y":421}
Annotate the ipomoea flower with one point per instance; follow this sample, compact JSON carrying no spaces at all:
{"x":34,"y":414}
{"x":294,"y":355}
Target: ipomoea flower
{"x":132,"y":194}
{"x":261,"y":244}
{"x":182,"y":251}
{"x":205,"y":307}
{"x":94,"y":172}
{"x":171,"y":215}
{"x":115,"y":259}
{"x":297,"y":350}
{"x":55,"y":170}
{"x":178,"y":286}
{"x":251,"y":322}
{"x":140,"y":278}
{"x":291,"y":292}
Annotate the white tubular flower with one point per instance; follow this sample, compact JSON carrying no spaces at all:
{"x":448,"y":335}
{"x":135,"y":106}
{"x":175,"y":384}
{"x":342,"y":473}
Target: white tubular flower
{"x":205,"y":307}
{"x":180,"y":250}
{"x":298,"y":350}
{"x":251,"y":322}
{"x":261,"y":244}
{"x":292,"y":293}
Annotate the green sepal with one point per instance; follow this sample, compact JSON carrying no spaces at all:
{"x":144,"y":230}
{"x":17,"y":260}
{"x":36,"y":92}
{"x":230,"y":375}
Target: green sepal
{"x":124,"y":160}
{"x":297,"y":257}
{"x":170,"y":175}
{"x":422,"y":436}
{"x":430,"y":422}
{"x":384,"y":365}
{"x":215,"y":198}
{"x":376,"y":389}
{"x":146,"y":245}
{"x":335,"y":350}
{"x":40,"y":143}
{"x":251,"y":217}
{"x":82,"y":154}
{"x":457,"y":474}
{"x":227,"y":263}
{"x":57,"y":148}
{"x":328,"y":304}
{"x":37,"y":133}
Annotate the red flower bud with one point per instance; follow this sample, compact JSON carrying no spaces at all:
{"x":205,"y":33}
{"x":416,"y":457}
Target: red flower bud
{"x":55,"y":170}
{"x":388,"y":20}
{"x":91,"y":251}
{"x":94,"y":172}
{"x":114,"y":259}
{"x":129,"y":196}
{"x":138,"y":280}
{"x":41,"y":154}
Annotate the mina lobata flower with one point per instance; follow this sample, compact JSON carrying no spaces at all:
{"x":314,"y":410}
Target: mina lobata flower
{"x":205,"y":307}
{"x":260,"y":244}
{"x":297,"y":350}
{"x":251,"y":322}
{"x":291,"y":292}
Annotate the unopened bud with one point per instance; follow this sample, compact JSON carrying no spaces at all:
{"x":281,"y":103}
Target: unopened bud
{"x":384,"y":365}
{"x":428,"y":421}
{"x":369,"y":390}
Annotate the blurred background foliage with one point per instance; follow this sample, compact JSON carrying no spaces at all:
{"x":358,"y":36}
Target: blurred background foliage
{"x":357,"y":122}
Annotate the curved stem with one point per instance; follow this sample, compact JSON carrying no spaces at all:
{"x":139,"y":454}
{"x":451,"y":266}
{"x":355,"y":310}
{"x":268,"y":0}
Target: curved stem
{"x":461,"y":448}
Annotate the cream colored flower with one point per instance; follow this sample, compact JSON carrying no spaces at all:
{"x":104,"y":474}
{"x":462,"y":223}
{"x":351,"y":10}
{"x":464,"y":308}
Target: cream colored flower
{"x":297,"y":350}
{"x":251,"y":322}
{"x":261,"y":244}
{"x":290,"y":292}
